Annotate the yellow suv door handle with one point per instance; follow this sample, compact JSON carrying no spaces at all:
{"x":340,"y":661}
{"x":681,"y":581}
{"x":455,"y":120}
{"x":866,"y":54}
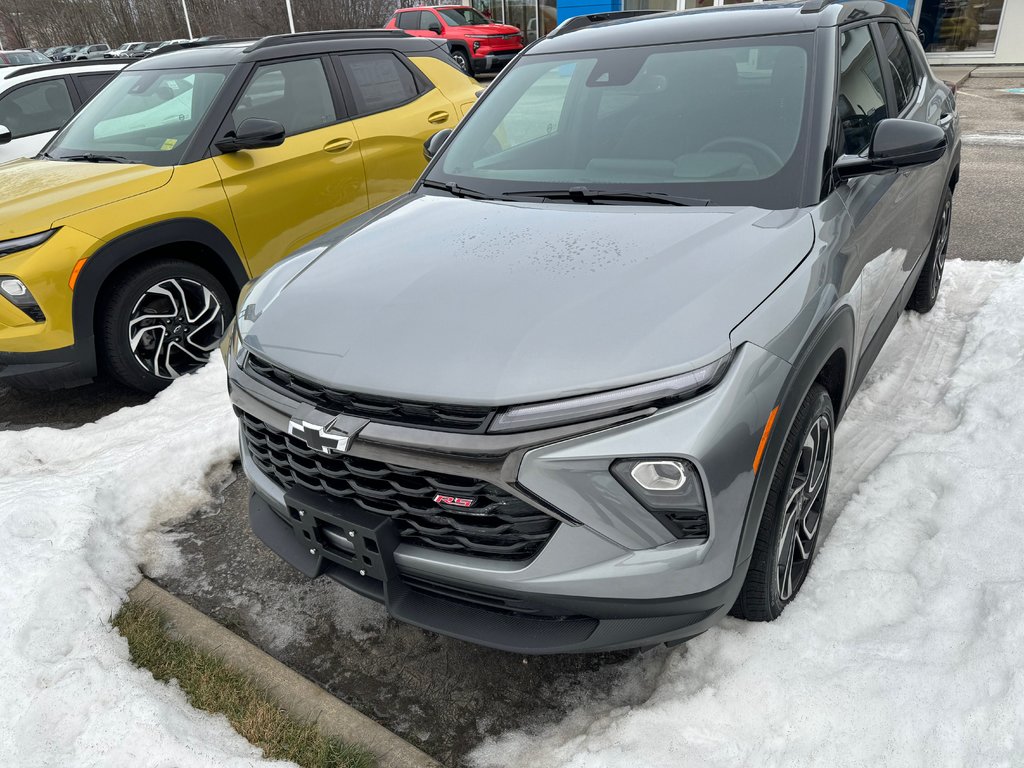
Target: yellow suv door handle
{"x":438,"y":117}
{"x":337,"y":145}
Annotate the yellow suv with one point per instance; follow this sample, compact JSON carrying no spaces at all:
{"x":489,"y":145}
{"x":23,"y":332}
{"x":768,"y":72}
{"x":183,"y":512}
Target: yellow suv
{"x":125,"y":242}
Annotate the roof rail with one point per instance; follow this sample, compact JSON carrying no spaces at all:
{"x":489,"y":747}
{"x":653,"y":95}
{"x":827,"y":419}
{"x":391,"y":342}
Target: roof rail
{"x":193,"y":44}
{"x":7,"y":73}
{"x":332,"y":34}
{"x":581,"y":22}
{"x":815,"y":6}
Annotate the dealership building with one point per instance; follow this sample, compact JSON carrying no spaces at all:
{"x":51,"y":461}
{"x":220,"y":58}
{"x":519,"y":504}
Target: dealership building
{"x":968,"y":32}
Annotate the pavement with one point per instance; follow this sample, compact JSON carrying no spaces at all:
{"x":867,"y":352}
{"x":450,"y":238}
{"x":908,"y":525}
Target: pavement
{"x":443,"y":695}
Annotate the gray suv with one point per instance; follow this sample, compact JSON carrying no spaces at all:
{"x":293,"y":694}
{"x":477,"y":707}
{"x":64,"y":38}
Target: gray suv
{"x":578,"y":389}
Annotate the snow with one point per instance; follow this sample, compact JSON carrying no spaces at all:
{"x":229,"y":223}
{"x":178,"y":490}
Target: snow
{"x":80,"y":510}
{"x":902,"y":649}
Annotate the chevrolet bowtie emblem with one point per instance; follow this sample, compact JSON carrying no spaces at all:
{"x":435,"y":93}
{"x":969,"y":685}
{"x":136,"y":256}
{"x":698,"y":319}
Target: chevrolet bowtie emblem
{"x":320,"y":439}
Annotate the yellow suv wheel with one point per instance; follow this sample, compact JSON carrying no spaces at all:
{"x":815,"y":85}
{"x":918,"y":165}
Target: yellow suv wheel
{"x":162,"y":321}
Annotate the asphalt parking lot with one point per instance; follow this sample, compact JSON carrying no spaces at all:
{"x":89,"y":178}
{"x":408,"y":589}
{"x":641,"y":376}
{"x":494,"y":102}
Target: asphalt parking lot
{"x":441,"y":694}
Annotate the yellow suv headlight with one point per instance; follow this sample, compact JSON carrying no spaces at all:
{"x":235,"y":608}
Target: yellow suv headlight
{"x":24,"y":243}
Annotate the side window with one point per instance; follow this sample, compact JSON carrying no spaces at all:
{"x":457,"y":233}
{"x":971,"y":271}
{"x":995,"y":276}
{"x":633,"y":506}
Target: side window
{"x":429,"y":20}
{"x":379,"y":81}
{"x":36,"y":107}
{"x":294,"y":93}
{"x":408,"y":20}
{"x":901,"y":66}
{"x":861,"y":99}
{"x":88,"y":85}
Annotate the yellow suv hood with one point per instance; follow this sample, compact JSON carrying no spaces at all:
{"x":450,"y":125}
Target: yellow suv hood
{"x":37,"y":194}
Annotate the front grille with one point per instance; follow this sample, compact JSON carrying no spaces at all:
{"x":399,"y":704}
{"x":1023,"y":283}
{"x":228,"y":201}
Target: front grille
{"x":448,"y":418}
{"x":498,"y":526}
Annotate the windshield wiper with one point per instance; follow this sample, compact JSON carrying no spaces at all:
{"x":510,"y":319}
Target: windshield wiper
{"x":587,"y":195}
{"x":454,"y":189}
{"x":92,"y":157}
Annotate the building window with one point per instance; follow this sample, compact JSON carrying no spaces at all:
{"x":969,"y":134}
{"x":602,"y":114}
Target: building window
{"x":954,"y":26}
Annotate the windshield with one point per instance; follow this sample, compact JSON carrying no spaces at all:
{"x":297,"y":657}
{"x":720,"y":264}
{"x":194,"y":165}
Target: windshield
{"x":142,"y":116}
{"x":717,"y":121}
{"x":463,"y":17}
{"x":15,"y":58}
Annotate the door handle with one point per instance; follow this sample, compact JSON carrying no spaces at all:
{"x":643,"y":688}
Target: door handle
{"x":438,"y":117}
{"x":337,"y":145}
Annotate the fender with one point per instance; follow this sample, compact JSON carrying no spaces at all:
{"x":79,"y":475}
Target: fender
{"x":228,"y":268}
{"x":836,"y":333}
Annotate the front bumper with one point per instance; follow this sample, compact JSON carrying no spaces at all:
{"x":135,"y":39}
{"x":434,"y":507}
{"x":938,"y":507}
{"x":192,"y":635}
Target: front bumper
{"x":611,"y":576}
{"x":492,"y":61}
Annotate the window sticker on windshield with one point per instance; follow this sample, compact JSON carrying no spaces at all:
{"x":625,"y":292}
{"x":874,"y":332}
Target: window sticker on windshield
{"x":168,"y":144}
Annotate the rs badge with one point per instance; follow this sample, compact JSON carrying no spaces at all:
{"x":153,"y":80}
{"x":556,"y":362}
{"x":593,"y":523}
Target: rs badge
{"x":453,"y":501}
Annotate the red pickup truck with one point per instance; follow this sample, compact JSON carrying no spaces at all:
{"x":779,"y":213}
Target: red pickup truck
{"x":477,"y":44}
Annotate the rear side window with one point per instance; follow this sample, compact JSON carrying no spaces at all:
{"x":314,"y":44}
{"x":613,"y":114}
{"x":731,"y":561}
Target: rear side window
{"x":901,"y":66}
{"x":379,"y":81}
{"x":861,"y":99}
{"x":36,"y":108}
{"x":88,"y":85}
{"x":293,"y":93}
{"x":408,"y":20}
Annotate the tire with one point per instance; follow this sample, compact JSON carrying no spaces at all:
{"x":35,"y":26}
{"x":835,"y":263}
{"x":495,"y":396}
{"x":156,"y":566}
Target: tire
{"x":927,"y":289}
{"x":788,"y":535}
{"x":462,"y":59}
{"x":170,"y":301}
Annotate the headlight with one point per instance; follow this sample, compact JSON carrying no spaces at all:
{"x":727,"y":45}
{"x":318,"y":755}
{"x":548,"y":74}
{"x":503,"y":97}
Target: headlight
{"x":24,"y":243}
{"x":574,"y":409}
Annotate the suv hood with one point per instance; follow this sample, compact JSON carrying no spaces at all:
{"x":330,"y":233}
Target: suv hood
{"x":493,"y":303}
{"x":492,"y":30}
{"x":37,"y":194}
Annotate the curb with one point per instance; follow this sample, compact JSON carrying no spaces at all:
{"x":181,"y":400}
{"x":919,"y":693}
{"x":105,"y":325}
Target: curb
{"x":298,"y":696}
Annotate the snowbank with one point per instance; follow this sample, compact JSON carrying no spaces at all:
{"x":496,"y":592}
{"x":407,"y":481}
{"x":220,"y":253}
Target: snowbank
{"x":79,"y":510}
{"x":903,"y":648}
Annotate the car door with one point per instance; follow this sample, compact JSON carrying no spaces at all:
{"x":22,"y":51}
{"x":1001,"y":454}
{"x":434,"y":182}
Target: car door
{"x":397,"y":109}
{"x":282,"y":197}
{"x":881,"y":205}
{"x":33,"y":112}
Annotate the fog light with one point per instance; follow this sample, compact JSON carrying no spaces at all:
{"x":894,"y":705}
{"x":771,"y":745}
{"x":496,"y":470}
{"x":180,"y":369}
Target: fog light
{"x":13,"y":287}
{"x":659,"y":475}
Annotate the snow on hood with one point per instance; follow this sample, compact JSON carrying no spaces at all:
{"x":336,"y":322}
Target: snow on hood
{"x":80,"y":510}
{"x":36,"y":194}
{"x":479,"y":302}
{"x":903,"y":647}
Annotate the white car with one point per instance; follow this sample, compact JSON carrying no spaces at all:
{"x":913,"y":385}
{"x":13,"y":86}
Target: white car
{"x":37,"y":100}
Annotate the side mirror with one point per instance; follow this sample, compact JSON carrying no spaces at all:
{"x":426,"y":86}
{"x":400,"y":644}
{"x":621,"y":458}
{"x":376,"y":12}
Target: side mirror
{"x":433,"y":145}
{"x":435,"y":28}
{"x":895,"y":144}
{"x":5,"y":135}
{"x":253,"y":133}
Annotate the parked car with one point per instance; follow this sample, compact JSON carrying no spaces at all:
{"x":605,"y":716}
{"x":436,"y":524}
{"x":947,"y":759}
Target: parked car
{"x":192,"y":171}
{"x":125,"y":51}
{"x":477,"y":44}
{"x":92,"y":52}
{"x":70,"y":53}
{"x":37,"y":100}
{"x":21,"y":57}
{"x":145,"y":50}
{"x":578,"y":389}
{"x":52,"y":53}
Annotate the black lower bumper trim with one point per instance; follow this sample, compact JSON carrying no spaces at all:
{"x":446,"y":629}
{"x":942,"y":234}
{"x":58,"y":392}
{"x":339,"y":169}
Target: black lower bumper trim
{"x":355,"y":548}
{"x":49,"y":369}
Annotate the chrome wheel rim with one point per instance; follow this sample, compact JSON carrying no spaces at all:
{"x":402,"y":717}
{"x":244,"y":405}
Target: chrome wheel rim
{"x":941,"y":245}
{"x":805,"y":500}
{"x":174,"y":327}
{"x":460,"y":59}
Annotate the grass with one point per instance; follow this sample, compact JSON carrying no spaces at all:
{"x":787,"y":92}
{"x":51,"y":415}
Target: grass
{"x":211,"y":685}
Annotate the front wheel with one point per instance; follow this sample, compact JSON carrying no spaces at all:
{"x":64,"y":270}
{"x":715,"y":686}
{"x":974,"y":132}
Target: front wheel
{"x":927,"y":289}
{"x":161,"y":321}
{"x":463,"y":61}
{"x":788,"y":535}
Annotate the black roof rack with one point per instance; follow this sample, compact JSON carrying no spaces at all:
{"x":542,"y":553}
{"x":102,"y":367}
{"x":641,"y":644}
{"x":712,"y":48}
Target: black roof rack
{"x":815,"y":6}
{"x":580,"y":22}
{"x":194,"y":44}
{"x":333,"y":34}
{"x":30,"y":68}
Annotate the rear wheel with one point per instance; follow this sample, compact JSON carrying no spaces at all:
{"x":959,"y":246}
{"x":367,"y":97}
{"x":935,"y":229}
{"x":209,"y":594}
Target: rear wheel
{"x":788,"y":535}
{"x":927,"y":289}
{"x":162,"y":321}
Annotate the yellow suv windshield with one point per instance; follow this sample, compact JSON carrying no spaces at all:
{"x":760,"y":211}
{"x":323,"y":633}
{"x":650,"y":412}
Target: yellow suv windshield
{"x":146,"y":116}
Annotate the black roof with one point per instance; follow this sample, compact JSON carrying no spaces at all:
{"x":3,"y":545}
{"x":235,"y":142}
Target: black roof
{"x":228,"y":52}
{"x":748,"y":19}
